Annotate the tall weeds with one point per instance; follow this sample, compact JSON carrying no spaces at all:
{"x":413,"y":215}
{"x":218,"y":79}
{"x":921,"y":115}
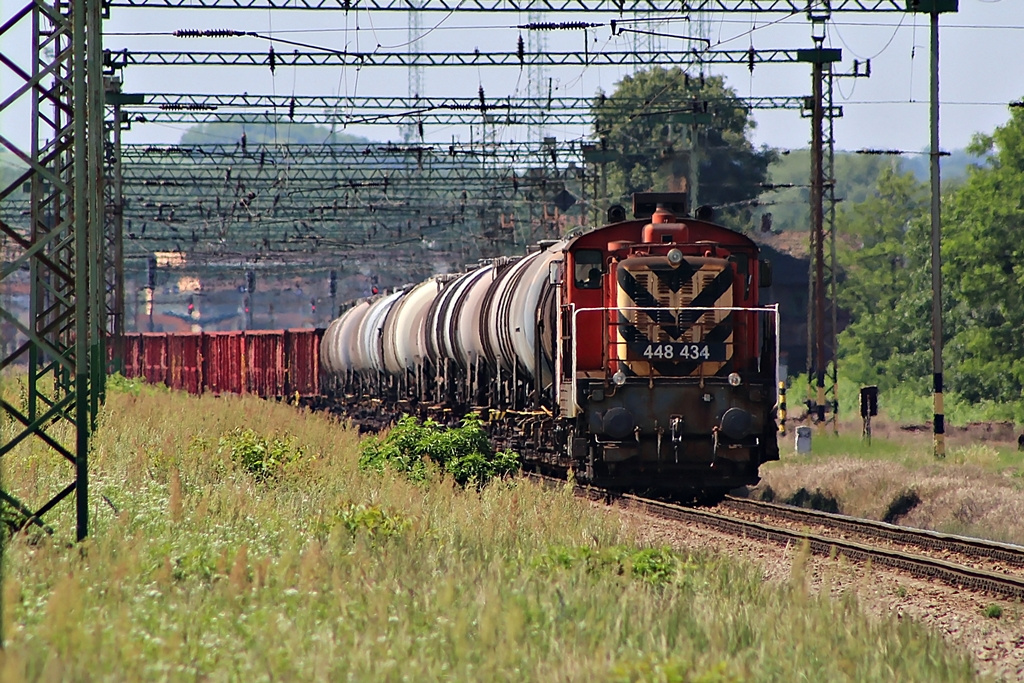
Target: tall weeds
{"x":202,"y":566}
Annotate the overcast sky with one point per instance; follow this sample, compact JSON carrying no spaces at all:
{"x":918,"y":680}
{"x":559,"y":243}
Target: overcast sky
{"x":980,"y":45}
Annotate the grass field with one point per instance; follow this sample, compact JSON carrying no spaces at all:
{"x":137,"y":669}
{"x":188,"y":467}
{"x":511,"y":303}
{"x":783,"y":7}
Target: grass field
{"x":219,"y":553}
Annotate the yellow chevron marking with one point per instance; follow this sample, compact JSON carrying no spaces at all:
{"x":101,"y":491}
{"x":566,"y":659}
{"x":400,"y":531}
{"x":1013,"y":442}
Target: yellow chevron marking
{"x":674,"y":301}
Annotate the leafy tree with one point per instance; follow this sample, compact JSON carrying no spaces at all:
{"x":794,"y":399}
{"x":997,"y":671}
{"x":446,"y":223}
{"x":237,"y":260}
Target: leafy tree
{"x":646,"y":122}
{"x":888,"y":278}
{"x":887,"y":285}
{"x":983,"y":254}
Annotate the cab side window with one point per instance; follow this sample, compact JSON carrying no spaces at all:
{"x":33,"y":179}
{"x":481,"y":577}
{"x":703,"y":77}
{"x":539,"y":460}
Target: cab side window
{"x":588,"y":268}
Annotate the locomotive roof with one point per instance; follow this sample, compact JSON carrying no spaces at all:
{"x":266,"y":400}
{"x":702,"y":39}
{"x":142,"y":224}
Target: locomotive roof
{"x":622,"y":231}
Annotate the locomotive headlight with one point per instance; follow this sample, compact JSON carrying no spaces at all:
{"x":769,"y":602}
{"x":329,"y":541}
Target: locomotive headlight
{"x":619,"y":378}
{"x":675,"y":257}
{"x":734,"y":379}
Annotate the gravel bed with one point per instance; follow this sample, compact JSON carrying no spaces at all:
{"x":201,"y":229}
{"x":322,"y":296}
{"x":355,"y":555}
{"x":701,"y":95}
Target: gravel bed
{"x":997,"y":645}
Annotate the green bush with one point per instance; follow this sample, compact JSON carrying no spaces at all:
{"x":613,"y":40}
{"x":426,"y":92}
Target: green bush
{"x":125,"y":385}
{"x":373,"y":520}
{"x":464,"y":452}
{"x":261,"y":457}
{"x":656,"y":566}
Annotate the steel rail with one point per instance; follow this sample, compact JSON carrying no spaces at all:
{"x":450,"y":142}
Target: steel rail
{"x":922,"y":538}
{"x":952,"y":574}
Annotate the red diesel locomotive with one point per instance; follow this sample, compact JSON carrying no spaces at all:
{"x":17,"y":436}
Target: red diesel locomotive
{"x":637,"y":354}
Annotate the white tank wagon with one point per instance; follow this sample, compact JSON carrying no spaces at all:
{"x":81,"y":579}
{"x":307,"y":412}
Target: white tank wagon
{"x":327,"y":364}
{"x":369,"y":337}
{"x":440,"y":344}
{"x":520,"y":303}
{"x":454,"y":336}
{"x":469,"y":332}
{"x":532,"y":322}
{"x":472,"y":339}
{"x":405,"y":349}
{"x":339,"y":348}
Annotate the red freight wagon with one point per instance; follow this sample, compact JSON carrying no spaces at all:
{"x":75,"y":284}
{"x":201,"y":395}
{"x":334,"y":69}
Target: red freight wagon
{"x":224,"y":362}
{"x":264,"y":363}
{"x":302,"y":354}
{"x":154,"y":357}
{"x":184,"y":362}
{"x":267,"y":363}
{"x":131,"y":358}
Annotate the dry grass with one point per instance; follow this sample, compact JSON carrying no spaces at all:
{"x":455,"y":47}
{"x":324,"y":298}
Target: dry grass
{"x":977,"y":490}
{"x":317,"y":571}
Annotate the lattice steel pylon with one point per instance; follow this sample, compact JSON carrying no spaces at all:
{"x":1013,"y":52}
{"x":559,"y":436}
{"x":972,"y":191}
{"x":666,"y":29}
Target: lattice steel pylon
{"x":823,"y":306}
{"x":412,"y":131}
{"x":53,"y":81}
{"x":113,"y":223}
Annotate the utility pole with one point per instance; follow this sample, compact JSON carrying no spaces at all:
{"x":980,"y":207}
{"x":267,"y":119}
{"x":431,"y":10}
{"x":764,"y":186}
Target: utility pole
{"x":939,"y":418}
{"x":935,"y":8}
{"x":819,"y":57}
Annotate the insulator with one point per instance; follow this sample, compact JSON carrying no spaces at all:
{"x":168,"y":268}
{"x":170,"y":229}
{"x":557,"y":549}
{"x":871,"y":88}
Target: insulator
{"x":559,"y":26}
{"x":187,"y":106}
{"x":750,"y":59}
{"x":521,"y":50}
{"x":208,"y":33}
{"x":273,"y":60}
{"x":291,"y":110}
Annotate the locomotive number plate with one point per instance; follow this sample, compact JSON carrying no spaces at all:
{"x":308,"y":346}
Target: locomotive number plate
{"x":679,"y":351}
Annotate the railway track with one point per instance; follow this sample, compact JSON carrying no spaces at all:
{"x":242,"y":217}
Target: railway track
{"x":1011,"y":556}
{"x":723,"y":518}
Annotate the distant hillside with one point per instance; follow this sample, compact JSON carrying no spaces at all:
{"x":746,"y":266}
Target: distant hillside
{"x":954,"y":167}
{"x":855,"y":180}
{"x":298,"y":133}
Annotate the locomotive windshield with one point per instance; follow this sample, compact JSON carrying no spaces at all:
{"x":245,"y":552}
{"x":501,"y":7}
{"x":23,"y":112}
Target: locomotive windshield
{"x":588,"y":268}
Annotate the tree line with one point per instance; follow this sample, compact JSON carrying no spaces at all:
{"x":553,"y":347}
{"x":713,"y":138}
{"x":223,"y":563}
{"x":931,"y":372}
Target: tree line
{"x":883,"y":226}
{"x":888,"y":290}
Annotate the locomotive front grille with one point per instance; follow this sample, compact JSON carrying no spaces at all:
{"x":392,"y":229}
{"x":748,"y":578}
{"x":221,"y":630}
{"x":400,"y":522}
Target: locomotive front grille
{"x":671,"y":334}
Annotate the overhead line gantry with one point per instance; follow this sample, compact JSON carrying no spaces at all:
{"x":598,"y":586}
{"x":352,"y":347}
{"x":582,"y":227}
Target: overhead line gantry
{"x":119,"y":59}
{"x":248,"y":108}
{"x":677,"y":7}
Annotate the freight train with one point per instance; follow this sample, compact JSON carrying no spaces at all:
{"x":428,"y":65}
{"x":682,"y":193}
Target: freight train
{"x":637,"y":355}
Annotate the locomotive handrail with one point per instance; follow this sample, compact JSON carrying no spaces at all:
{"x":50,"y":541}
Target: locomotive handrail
{"x":772,"y":309}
